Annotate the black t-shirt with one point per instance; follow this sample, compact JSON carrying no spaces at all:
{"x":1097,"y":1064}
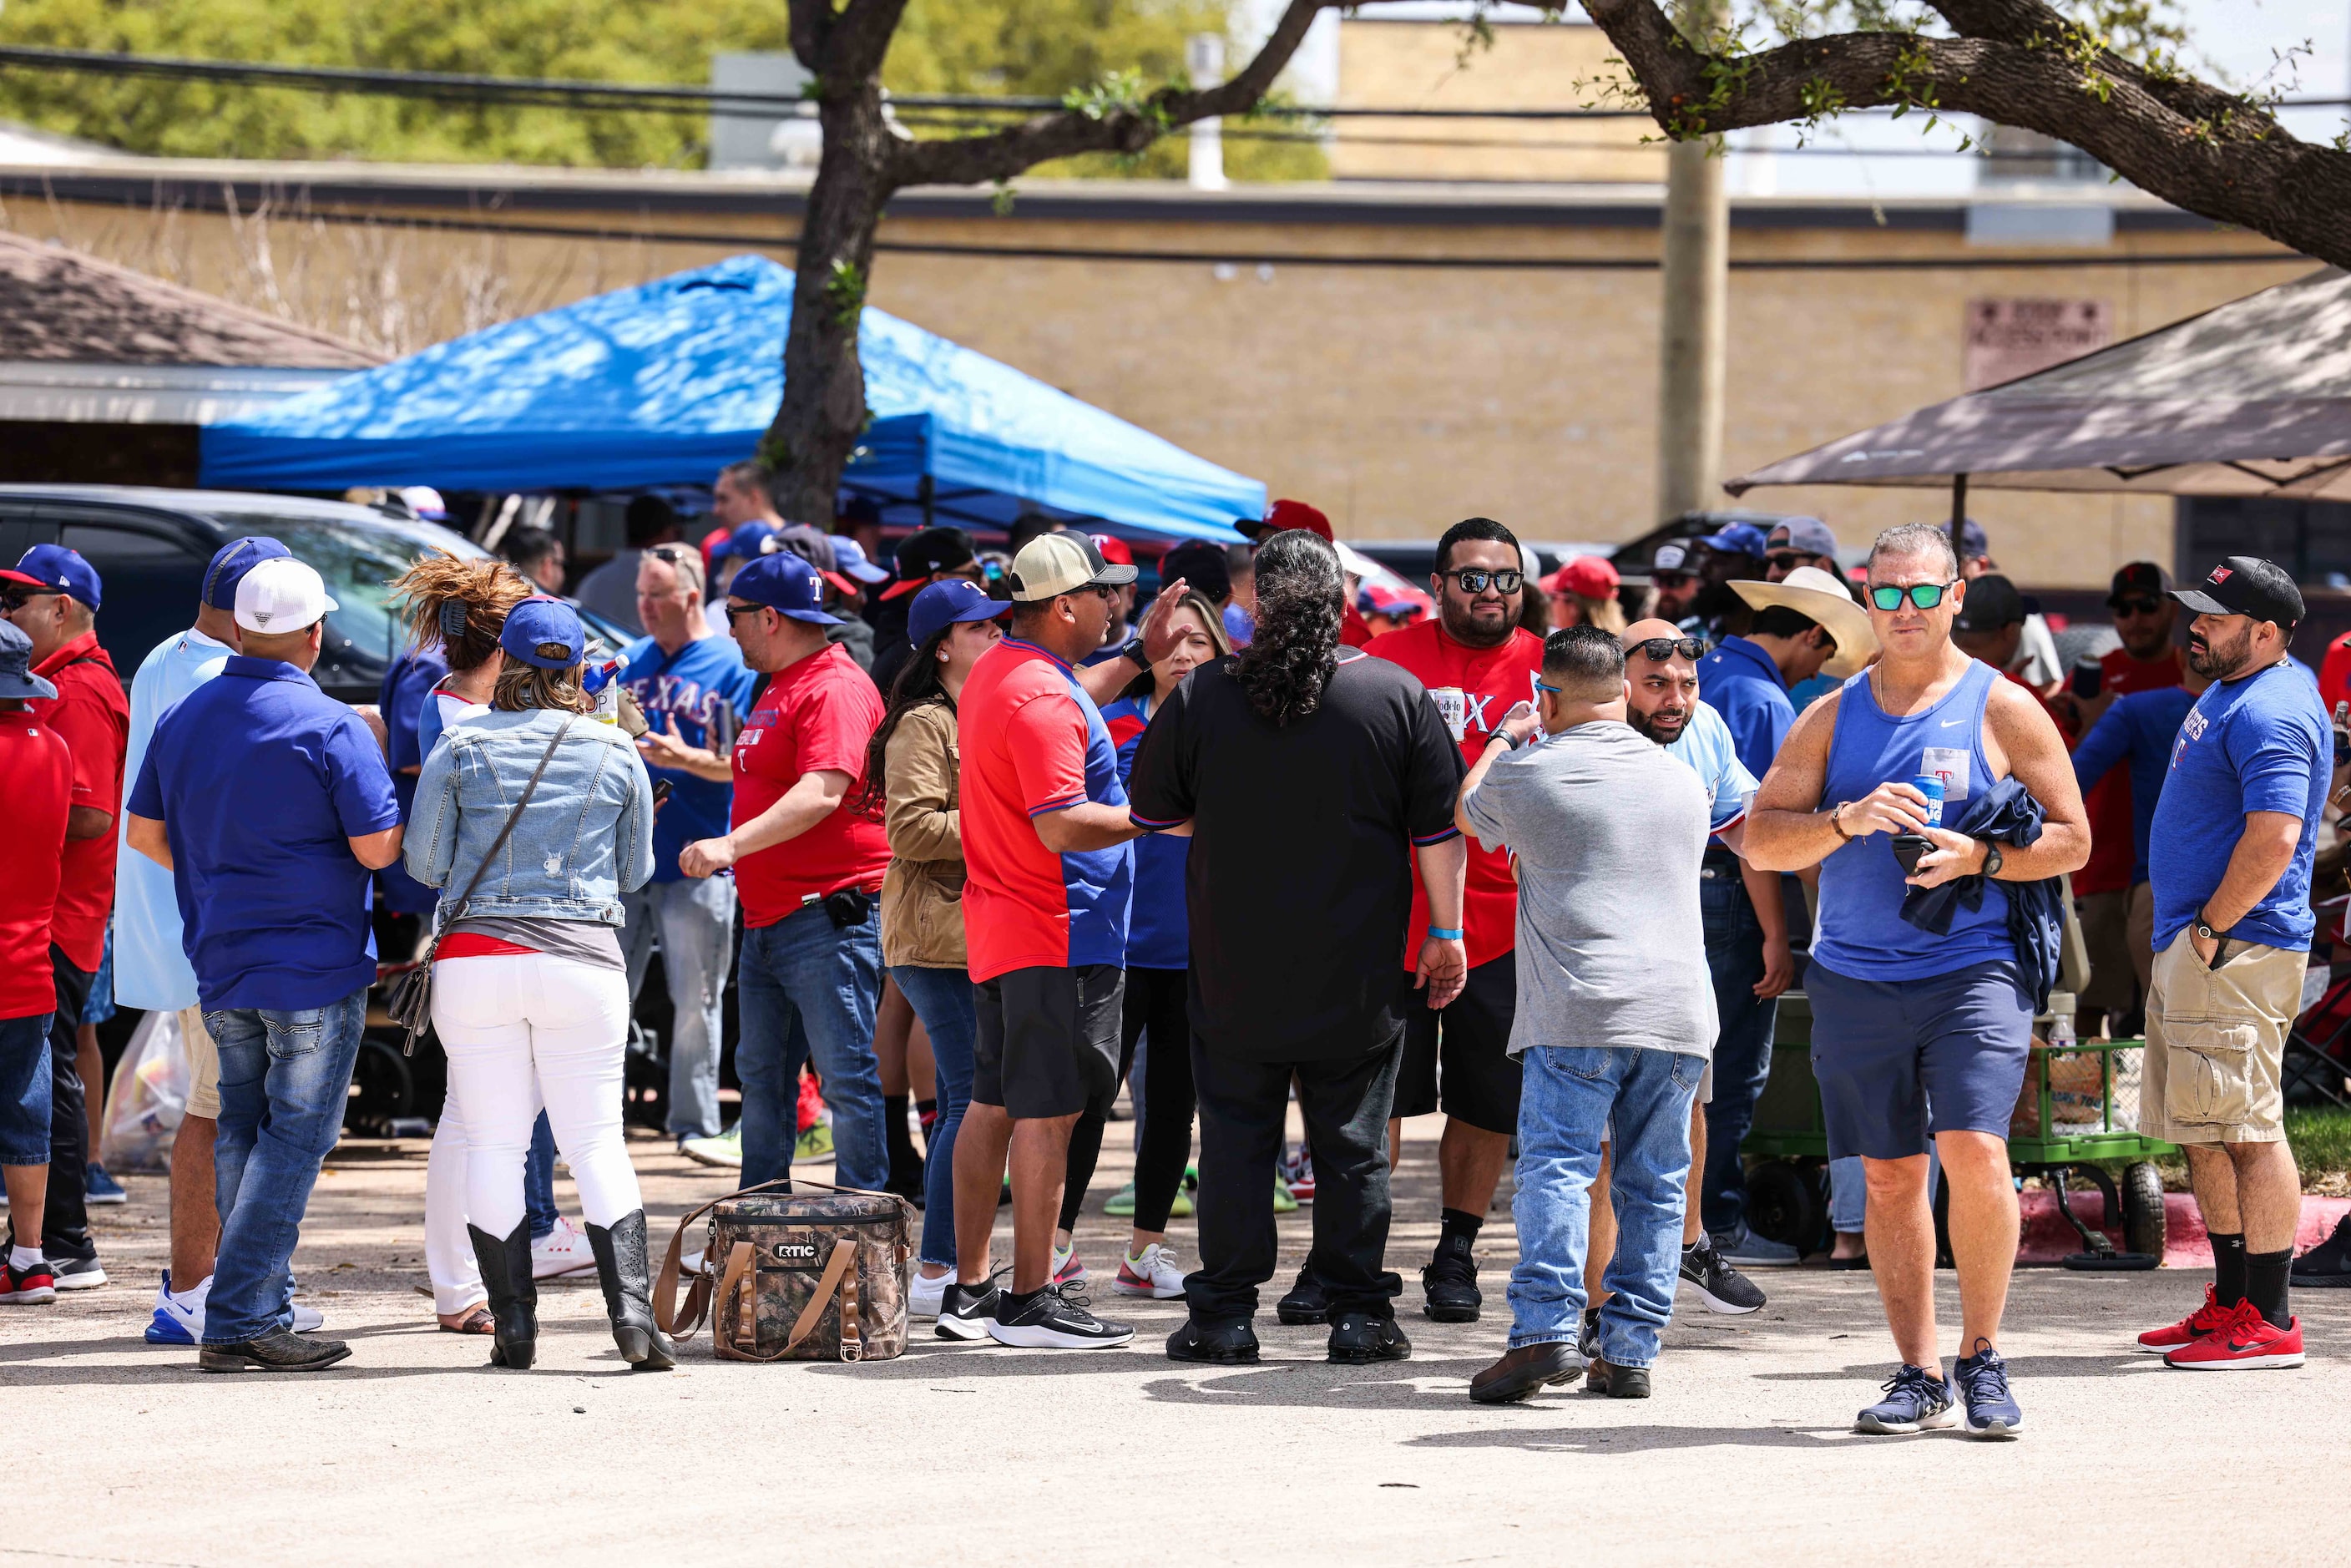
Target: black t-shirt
{"x":1299,"y":885}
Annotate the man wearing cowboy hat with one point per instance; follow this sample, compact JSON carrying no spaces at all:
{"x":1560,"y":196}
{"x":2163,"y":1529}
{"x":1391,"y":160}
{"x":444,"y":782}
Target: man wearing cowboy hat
{"x":1805,"y":624}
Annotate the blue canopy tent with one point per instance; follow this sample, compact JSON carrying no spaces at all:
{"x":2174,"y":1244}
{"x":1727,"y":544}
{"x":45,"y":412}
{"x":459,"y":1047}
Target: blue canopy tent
{"x":665,"y":384}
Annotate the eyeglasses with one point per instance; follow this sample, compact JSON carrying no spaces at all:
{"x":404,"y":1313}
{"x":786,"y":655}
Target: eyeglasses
{"x":1477,"y":580}
{"x":1925,"y":595}
{"x":1663,"y":648}
{"x":2126,"y":607}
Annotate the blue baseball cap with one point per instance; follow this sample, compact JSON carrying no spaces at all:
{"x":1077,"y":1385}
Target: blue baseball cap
{"x":54,"y":566}
{"x":747,"y":542}
{"x":232,"y":561}
{"x":1737,"y":538}
{"x":851,"y":557}
{"x":946,"y":602}
{"x":787,"y":584}
{"x":543,"y":631}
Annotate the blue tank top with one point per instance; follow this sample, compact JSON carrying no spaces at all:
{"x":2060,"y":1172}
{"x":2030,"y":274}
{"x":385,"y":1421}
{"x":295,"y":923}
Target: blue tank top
{"x":1863,"y":934}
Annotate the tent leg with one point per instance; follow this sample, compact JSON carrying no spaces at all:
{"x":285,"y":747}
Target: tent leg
{"x":1958,"y":511}
{"x":925,"y":491}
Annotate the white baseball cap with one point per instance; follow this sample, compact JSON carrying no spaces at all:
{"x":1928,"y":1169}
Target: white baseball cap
{"x":281,"y":595}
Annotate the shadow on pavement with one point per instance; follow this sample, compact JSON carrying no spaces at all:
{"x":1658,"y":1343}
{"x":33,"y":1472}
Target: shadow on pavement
{"x":1629,"y":1440}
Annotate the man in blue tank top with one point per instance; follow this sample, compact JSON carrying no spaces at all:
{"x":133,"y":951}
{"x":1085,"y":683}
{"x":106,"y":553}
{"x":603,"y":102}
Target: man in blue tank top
{"x":1918,"y":1035}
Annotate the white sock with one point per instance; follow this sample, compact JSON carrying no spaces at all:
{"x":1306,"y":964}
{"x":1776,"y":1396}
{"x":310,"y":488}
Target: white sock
{"x":24,"y":1257}
{"x":203,"y":1285}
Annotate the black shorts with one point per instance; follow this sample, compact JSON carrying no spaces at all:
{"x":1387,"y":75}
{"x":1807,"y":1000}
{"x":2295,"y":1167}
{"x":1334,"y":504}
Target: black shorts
{"x":1472,"y":1037}
{"x":1047,"y":1042}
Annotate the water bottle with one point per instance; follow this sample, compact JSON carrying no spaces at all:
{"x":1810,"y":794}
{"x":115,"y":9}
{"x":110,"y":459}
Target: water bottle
{"x":600,"y":681}
{"x":1931,"y":786}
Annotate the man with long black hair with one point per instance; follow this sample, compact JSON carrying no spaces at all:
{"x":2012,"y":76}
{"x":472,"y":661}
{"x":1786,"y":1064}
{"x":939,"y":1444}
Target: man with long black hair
{"x":1297,"y":717}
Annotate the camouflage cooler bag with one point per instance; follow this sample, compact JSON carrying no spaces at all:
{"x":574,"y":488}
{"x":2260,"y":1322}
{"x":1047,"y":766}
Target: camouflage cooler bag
{"x":796,"y":1276}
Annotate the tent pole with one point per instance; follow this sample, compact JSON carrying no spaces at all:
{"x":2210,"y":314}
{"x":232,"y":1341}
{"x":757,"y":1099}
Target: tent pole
{"x":1958,"y":511}
{"x":925,"y":491}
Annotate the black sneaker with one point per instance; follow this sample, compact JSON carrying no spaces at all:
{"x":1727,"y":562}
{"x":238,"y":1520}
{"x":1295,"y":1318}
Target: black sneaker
{"x":1054,"y":1317}
{"x":1359,"y":1337}
{"x":966,"y":1311}
{"x":1450,"y":1284}
{"x":1588,"y":1340}
{"x":1308,"y":1301}
{"x":2325,"y":1267}
{"x":279,"y":1349}
{"x":1220,"y":1344}
{"x":1723,"y":1288}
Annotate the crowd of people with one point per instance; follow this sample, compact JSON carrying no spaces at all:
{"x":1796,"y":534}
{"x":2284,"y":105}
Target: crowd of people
{"x":996,"y":831}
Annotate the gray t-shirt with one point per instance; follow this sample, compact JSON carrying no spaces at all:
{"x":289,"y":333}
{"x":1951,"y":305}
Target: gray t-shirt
{"x":1609,"y":832}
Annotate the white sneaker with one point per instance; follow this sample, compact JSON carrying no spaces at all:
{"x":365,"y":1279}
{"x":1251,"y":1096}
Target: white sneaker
{"x":563,"y":1252}
{"x":1154,"y":1274}
{"x":179,"y":1316}
{"x":306,"y":1320}
{"x":924,"y":1296}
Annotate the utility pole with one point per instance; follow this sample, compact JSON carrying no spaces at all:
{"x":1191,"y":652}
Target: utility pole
{"x":1696,"y":277}
{"x":1203,"y":55}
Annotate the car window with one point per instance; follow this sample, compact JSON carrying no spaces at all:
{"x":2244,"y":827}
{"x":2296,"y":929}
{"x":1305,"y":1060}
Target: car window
{"x":147,"y":581}
{"x":359,"y":565}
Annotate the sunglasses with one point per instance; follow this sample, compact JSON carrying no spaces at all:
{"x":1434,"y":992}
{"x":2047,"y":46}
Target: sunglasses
{"x":671,"y":554}
{"x":1663,"y":648}
{"x":1672,"y":579}
{"x":1925,"y":595}
{"x":1477,"y":580}
{"x":17,"y":597}
{"x":735,"y":609}
{"x":2125,"y":607}
{"x":1787,"y":561}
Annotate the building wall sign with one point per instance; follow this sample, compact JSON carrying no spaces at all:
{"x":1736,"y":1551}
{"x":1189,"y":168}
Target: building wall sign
{"x":2011,"y":338}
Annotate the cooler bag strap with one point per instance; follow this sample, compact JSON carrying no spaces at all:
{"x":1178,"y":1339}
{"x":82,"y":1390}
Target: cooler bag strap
{"x":697,"y":1300}
{"x":844,"y":1254}
{"x":850,"y":1345}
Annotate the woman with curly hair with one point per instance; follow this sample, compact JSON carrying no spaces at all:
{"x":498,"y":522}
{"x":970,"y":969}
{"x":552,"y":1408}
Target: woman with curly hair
{"x":1314,"y":777}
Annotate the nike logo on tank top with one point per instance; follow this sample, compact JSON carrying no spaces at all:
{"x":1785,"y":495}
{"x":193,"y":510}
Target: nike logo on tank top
{"x":1863,"y":934}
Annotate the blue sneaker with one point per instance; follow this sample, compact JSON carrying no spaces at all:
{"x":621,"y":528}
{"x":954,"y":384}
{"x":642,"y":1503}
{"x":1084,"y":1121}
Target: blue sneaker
{"x":1916,"y":1400}
{"x":96,"y":1186}
{"x":1983,"y":1381}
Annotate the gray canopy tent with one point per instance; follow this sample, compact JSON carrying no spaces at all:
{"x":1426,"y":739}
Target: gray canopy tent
{"x":2250,"y":399}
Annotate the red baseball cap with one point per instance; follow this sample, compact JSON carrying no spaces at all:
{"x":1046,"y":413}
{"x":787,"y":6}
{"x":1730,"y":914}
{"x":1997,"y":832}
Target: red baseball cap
{"x":1114,"y":551}
{"x":1586,"y":576}
{"x":1290,"y":515}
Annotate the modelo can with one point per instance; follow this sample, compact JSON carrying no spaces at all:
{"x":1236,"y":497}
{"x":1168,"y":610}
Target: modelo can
{"x":1931,"y":786}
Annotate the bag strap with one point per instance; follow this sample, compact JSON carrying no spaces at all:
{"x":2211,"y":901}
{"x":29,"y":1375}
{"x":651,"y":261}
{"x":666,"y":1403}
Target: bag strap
{"x":505,"y":832}
{"x":838,"y":1276}
{"x":697,"y":1300}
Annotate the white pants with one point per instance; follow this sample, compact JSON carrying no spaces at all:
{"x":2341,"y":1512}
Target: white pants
{"x":449,"y":1259}
{"x":525,"y":1030}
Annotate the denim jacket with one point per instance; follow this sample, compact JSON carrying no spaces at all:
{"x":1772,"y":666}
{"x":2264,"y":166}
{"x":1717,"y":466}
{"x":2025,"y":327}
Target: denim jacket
{"x":586,"y":838}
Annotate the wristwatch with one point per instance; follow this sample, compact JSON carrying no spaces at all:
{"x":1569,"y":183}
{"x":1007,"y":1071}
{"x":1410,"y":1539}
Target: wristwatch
{"x":2204,"y":929}
{"x":1505,"y":736}
{"x":1993,"y":859}
{"x":1133,"y":650}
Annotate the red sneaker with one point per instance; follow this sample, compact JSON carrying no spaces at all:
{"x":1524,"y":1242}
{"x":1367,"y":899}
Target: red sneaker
{"x":2209,"y":1318}
{"x":27,"y":1287}
{"x":2248,"y":1341}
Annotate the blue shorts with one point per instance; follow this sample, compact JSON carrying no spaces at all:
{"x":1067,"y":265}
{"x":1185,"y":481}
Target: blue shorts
{"x":25,"y":1091}
{"x":1899,"y":1060}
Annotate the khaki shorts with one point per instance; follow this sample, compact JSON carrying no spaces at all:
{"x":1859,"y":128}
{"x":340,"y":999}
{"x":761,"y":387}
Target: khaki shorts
{"x":2214,"y":1041}
{"x":204,"y":1065}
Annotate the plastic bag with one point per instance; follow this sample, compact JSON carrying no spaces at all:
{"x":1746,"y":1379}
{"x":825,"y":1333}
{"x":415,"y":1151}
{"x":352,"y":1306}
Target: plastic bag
{"x":147,"y":1098}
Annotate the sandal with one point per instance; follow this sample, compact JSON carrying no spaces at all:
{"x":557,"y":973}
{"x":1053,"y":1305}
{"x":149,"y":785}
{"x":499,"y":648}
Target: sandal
{"x":477,"y":1320}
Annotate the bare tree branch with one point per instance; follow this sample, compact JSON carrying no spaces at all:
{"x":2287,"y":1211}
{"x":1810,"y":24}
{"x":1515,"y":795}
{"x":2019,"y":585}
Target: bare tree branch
{"x":2210,"y":152}
{"x":1001,"y":154}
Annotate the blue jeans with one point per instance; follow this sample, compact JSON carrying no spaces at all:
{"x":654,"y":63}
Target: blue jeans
{"x":25,"y":1096}
{"x":1742,"y":1046}
{"x":538,"y":1179}
{"x":808,"y":990}
{"x":942,"y":999}
{"x":284,"y":1077}
{"x":695,"y":920}
{"x":1569,"y":1098}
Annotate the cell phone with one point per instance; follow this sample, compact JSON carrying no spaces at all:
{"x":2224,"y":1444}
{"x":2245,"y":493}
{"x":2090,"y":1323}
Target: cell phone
{"x":2088,"y":675}
{"x":1908,"y":848}
{"x":662,"y":788}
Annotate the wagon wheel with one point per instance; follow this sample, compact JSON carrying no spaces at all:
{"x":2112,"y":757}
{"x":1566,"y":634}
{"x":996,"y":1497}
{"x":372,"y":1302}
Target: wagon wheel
{"x":2143,"y":1217}
{"x":1784,"y":1205}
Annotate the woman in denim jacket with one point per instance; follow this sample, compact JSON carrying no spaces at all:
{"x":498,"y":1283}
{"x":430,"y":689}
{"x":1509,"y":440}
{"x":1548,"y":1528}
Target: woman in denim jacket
{"x":531,"y":997}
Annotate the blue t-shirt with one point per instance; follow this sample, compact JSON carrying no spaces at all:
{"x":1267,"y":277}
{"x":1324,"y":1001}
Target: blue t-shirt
{"x":687,"y":685}
{"x":150,"y":969}
{"x":2259,"y":743}
{"x":259,"y":777}
{"x":1705,"y":746}
{"x":1239,"y":625}
{"x":1739,"y":682}
{"x":403,"y":699}
{"x":2137,"y":731}
{"x":1807,"y":692}
{"x":1158,"y":935}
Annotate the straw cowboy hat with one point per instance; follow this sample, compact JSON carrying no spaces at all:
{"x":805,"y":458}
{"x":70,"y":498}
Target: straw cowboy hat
{"x":1809,"y":592}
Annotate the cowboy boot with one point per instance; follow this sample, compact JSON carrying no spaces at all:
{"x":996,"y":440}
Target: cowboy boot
{"x":514,"y":1295}
{"x":622,"y":1270}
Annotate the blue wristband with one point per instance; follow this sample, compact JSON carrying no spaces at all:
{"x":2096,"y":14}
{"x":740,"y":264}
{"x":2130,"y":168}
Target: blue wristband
{"x":1444,"y":933}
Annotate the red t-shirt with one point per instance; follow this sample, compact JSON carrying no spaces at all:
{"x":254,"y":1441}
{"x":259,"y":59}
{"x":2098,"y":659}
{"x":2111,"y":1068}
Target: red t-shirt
{"x":1033,"y":742}
{"x":2108,"y":800}
{"x":92,"y":715}
{"x":816,"y":717}
{"x":1355,"y":631}
{"x":35,"y":788}
{"x":1489,"y":681}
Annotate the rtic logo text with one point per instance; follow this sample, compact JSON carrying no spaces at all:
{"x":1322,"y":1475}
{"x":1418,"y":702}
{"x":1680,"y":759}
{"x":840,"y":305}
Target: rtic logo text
{"x":794,"y":1251}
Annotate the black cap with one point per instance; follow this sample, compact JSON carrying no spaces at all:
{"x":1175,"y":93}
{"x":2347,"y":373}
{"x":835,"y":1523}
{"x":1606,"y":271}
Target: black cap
{"x":1201,"y":565}
{"x":1993,"y":602}
{"x":2246,"y":585}
{"x":928,"y":551}
{"x":2142,"y":578}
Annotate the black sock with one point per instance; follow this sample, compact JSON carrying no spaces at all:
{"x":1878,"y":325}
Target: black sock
{"x":2229,"y":1267}
{"x":1459,"y":1225}
{"x":901,"y":1141}
{"x":2265,"y":1283}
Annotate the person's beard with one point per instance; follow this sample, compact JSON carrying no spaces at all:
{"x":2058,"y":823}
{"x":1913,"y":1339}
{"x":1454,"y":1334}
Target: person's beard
{"x":1463,"y":627}
{"x":1665,"y":726}
{"x":2219,"y":661}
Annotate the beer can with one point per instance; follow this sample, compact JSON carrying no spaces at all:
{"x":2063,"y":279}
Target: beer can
{"x":1931,"y":786}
